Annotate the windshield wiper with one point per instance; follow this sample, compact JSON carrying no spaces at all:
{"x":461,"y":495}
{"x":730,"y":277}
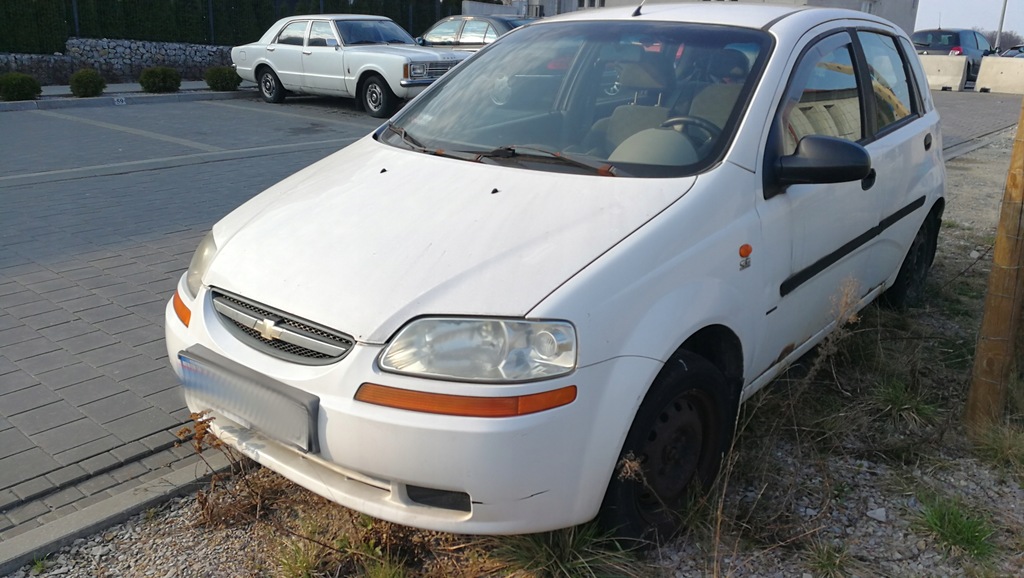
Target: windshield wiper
{"x":407,"y":138}
{"x":514,"y":151}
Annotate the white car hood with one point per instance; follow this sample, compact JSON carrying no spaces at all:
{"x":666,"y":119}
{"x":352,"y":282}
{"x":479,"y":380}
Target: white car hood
{"x":373,"y":236}
{"x":412,"y":52}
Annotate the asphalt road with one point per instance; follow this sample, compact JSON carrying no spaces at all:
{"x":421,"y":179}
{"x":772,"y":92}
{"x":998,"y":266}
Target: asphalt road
{"x":100,"y":211}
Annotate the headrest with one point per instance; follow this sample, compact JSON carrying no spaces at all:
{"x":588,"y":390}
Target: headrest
{"x":727,"y":65}
{"x":645,"y":74}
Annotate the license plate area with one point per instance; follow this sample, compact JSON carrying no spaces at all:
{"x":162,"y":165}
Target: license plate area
{"x":282,"y":412}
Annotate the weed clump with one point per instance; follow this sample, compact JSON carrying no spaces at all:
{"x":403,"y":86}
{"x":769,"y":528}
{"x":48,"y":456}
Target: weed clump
{"x":87,"y":82}
{"x":222,"y":78}
{"x":160,"y":79}
{"x":19,"y":86}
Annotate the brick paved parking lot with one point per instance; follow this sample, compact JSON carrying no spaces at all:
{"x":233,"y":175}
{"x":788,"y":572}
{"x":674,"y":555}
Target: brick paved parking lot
{"x":100,"y":211}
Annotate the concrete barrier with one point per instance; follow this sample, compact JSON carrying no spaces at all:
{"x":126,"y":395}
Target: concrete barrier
{"x":1001,"y":75}
{"x":945,"y":72}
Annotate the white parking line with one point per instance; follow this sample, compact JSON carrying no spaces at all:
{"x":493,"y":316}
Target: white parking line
{"x":130,"y":130}
{"x":168,"y":162}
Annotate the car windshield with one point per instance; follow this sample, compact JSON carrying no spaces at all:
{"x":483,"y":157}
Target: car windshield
{"x":936,"y":39}
{"x":372,"y":32}
{"x":609,"y":98}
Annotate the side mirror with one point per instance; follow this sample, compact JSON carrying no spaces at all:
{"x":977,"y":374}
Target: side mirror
{"x":421,"y":41}
{"x":823,"y":159}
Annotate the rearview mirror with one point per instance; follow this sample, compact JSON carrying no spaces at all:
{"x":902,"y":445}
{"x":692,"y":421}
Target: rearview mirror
{"x":823,"y":159}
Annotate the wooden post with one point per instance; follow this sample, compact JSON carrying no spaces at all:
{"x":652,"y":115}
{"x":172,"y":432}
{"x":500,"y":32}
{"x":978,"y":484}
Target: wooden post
{"x":994,"y":358}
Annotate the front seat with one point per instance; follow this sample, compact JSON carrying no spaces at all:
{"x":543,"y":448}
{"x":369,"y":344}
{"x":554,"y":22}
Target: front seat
{"x":649,"y":79}
{"x":727,"y":71}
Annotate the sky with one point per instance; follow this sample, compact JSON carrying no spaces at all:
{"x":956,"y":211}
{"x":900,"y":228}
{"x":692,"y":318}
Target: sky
{"x":970,"y":13}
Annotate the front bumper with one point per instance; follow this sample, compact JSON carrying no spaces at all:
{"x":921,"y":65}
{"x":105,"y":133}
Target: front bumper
{"x":523,"y":474}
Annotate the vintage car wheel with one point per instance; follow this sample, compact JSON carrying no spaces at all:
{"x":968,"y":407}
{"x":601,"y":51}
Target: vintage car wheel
{"x":908,"y":289}
{"x":675,"y":446}
{"x":270,"y":86}
{"x":377,"y":98}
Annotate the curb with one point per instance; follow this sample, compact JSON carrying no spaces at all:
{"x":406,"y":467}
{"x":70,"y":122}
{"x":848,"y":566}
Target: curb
{"x":51,"y":103}
{"x":49,"y":538}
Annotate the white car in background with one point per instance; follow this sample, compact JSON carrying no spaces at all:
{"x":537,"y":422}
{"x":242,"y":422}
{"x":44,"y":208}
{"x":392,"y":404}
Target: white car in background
{"x":470,"y":319}
{"x":365,"y":57}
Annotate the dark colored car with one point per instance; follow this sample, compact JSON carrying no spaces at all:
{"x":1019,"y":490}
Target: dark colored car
{"x":469,"y":32}
{"x":1014,"y":51}
{"x":954,"y":42}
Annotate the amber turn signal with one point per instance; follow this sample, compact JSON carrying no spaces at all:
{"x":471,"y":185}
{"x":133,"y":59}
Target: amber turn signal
{"x":183,"y":313}
{"x":464,"y":405}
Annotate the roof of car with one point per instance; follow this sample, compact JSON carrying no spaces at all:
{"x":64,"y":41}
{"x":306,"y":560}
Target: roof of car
{"x":745,"y":15}
{"x":336,"y":17}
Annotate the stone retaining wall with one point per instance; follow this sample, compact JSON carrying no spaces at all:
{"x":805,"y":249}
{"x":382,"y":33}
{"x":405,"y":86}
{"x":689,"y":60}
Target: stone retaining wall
{"x":117,"y":60}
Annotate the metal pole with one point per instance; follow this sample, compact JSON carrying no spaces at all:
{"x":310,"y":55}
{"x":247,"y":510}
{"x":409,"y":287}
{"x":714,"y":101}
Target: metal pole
{"x":74,"y":12}
{"x":999,"y":32}
{"x":209,"y":6}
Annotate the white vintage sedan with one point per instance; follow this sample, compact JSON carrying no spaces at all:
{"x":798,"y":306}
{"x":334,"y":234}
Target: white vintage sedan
{"x":365,"y":57}
{"x":528,"y":300}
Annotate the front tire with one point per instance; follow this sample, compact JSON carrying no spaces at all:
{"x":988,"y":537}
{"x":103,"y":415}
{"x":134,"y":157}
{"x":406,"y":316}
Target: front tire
{"x":270,"y":86}
{"x":377,"y":98}
{"x":680,"y":433}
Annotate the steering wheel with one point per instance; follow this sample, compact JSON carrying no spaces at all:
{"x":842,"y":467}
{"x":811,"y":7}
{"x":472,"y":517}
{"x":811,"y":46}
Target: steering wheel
{"x":710,"y":129}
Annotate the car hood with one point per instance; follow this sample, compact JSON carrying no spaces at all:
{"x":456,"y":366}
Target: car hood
{"x":373,"y":236}
{"x":414,"y":53}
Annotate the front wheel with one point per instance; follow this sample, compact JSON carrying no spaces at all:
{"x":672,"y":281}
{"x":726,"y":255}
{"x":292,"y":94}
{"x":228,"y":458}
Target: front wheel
{"x":270,"y":86}
{"x":680,"y":433}
{"x":377,"y":98}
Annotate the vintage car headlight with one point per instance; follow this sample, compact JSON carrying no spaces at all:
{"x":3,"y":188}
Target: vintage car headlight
{"x":201,"y":260}
{"x":484,"y":350}
{"x":417,"y":70}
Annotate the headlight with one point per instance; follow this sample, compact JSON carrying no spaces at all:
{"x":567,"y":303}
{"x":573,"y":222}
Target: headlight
{"x":485,"y":350}
{"x":201,"y":260}
{"x":417,"y":70}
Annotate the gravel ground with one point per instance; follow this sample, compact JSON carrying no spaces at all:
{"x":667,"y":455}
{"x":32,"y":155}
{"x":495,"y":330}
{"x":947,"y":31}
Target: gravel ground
{"x":852,"y":512}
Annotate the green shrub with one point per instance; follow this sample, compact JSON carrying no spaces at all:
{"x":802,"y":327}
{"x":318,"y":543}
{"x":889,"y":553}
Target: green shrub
{"x":222,"y":78}
{"x":160,"y":79}
{"x":19,"y":86}
{"x":87,"y":82}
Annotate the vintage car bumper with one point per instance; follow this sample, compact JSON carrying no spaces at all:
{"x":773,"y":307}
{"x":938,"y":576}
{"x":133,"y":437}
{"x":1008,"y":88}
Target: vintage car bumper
{"x":522,"y":474}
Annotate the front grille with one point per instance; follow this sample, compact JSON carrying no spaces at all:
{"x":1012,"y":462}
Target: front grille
{"x":437,"y":69}
{"x":280,"y":334}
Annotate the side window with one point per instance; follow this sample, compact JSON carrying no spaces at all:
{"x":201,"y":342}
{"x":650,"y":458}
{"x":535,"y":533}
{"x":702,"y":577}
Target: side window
{"x":444,"y":33}
{"x":968,"y":39}
{"x":919,"y":76}
{"x":473,"y":32}
{"x":491,"y":35}
{"x":293,"y":33}
{"x":823,"y":98}
{"x":889,"y":83}
{"x":322,"y":34}
{"x":983,"y":43}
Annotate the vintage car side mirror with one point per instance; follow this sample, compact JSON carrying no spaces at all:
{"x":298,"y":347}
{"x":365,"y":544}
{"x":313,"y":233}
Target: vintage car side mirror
{"x":823,"y":159}
{"x":421,"y":41}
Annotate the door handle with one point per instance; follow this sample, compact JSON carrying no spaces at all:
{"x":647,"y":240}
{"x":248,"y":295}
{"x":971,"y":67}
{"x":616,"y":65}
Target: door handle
{"x":868,"y":181}
{"x":307,"y":52}
{"x":928,"y":142}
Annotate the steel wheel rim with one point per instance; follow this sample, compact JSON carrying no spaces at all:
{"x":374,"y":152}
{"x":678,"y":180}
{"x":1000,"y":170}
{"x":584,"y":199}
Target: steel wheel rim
{"x":267,"y":85}
{"x":374,"y":96}
{"x":675,"y":452}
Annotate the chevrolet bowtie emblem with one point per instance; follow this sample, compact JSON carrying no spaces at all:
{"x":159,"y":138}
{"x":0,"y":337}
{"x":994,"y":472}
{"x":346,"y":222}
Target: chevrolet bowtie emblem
{"x":267,"y":329}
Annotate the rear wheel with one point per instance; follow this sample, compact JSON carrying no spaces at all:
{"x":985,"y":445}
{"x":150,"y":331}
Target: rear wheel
{"x":675,"y":446}
{"x":270,"y":86}
{"x":908,"y":289}
{"x":377,"y":98}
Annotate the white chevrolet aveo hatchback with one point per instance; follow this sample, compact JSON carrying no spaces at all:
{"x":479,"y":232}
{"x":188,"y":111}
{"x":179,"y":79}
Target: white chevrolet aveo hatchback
{"x":588,"y":243}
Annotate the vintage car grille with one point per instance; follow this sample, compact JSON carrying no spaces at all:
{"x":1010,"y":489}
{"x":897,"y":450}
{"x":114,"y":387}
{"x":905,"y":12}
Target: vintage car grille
{"x":437,"y":69}
{"x":280,"y":334}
